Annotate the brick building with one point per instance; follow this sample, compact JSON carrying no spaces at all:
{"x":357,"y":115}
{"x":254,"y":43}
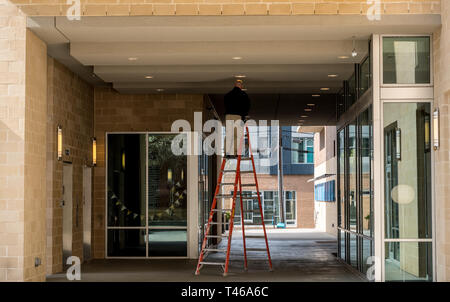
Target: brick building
{"x":121,"y":75}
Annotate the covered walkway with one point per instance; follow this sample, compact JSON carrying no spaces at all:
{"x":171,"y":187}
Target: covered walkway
{"x":297,"y":255}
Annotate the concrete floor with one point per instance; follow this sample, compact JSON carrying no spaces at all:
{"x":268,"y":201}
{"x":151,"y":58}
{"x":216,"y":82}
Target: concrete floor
{"x":297,"y":255}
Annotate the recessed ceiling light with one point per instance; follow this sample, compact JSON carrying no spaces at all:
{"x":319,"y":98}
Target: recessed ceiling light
{"x":325,"y":89}
{"x":237,"y":58}
{"x":332,"y":75}
{"x":343,"y":57}
{"x":301,"y":121}
{"x":311,"y":105}
{"x":303,"y":116}
{"x":308,"y":109}
{"x":149,"y":77}
{"x":240,"y":76}
{"x":160,"y":89}
{"x":316,"y":95}
{"x":132,"y":59}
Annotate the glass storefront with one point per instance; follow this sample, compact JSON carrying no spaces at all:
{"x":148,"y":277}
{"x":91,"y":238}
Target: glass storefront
{"x":355,"y":191}
{"x":147,"y":197}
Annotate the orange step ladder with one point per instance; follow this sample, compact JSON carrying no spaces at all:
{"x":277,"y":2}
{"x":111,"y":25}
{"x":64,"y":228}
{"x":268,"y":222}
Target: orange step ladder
{"x":215,"y":211}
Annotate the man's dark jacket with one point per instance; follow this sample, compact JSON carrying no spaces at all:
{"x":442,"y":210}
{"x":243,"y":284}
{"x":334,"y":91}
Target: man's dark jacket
{"x":237,"y":102}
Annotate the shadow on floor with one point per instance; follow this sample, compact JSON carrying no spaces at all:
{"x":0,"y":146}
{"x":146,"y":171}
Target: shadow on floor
{"x":296,"y":256}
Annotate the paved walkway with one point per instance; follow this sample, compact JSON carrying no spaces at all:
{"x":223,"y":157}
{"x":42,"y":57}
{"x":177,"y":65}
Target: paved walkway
{"x":297,"y":255}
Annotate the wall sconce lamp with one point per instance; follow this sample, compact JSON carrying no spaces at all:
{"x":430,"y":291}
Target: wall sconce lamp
{"x":94,"y":151}
{"x":59,"y":143}
{"x":436,"y":129}
{"x":398,"y":144}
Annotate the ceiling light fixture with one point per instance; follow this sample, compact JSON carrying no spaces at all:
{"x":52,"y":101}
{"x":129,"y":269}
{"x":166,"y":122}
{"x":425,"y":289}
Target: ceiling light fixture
{"x":343,"y":57}
{"x":308,"y":109}
{"x":160,"y":89}
{"x":332,"y":75}
{"x":237,"y":58}
{"x":354,"y":52}
{"x":303,"y":116}
{"x":325,"y":89}
{"x":149,"y":77}
{"x":240,"y":76}
{"x":316,"y":95}
{"x":311,"y":105}
{"x":132,"y":59}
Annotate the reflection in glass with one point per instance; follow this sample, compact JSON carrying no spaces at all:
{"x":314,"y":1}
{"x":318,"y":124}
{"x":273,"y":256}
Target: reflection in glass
{"x":167,"y":243}
{"x":353,"y":251}
{"x":126,"y":242}
{"x":364,"y":81}
{"x":413,"y":263}
{"x":365,"y":161}
{"x":167,"y":186}
{"x":366,"y":253}
{"x":352,"y":175}
{"x":341,"y":183}
{"x":408,"y":176}
{"x":126,"y":179}
{"x":406,"y":60}
{"x":342,"y":244}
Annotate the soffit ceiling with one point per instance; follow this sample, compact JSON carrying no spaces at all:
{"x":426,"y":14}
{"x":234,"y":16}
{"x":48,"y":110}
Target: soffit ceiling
{"x":194,"y":54}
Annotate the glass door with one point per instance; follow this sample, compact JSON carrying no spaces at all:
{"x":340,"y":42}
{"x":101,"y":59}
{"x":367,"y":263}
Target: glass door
{"x":167,"y":198}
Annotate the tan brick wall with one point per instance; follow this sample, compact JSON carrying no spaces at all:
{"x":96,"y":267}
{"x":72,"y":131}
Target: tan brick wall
{"x":226,"y":7}
{"x":71,"y":105}
{"x":128,"y":113}
{"x":442,"y":156}
{"x":12,"y":141}
{"x":35,"y":153}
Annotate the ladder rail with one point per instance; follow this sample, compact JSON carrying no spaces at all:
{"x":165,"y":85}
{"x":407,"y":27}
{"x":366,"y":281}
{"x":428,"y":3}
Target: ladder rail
{"x":243,"y":224}
{"x":259,"y":198}
{"x":211,"y":215}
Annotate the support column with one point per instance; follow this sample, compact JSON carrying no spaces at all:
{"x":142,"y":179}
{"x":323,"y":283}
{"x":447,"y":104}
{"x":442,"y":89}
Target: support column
{"x":22,"y":148}
{"x":441,"y":45}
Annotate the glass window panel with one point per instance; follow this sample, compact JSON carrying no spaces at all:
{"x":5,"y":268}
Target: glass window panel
{"x":353,"y":251}
{"x":352,"y":175}
{"x":126,"y":242}
{"x":167,"y":186}
{"x":406,"y":60}
{"x":407,"y":157}
{"x":342,"y":244}
{"x":341,"y":163}
{"x":365,"y":157}
{"x":365,"y":80}
{"x":367,"y":252}
{"x":126,"y":179}
{"x":167,"y":243}
{"x":408,"y":261}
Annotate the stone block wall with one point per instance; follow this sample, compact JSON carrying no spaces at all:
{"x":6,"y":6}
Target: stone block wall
{"x":441,"y":48}
{"x":71,"y":105}
{"x":226,"y":7}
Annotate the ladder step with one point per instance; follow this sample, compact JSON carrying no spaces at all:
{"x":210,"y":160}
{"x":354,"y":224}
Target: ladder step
{"x":214,"y":250}
{"x":254,"y":236}
{"x":248,"y":185}
{"x":256,"y":249}
{"x":221,"y":210}
{"x":224,"y":196}
{"x":234,"y":171}
{"x":227,"y":184}
{"x":216,"y":223}
{"x":212,"y":263}
{"x":216,"y":236}
{"x":236,"y":157}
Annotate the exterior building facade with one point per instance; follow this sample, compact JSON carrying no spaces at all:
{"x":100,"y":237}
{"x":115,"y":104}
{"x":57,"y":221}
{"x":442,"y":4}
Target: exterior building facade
{"x":375,"y":152}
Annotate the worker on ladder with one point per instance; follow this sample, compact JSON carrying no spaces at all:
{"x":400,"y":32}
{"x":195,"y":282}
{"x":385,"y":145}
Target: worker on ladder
{"x":237,"y":106}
